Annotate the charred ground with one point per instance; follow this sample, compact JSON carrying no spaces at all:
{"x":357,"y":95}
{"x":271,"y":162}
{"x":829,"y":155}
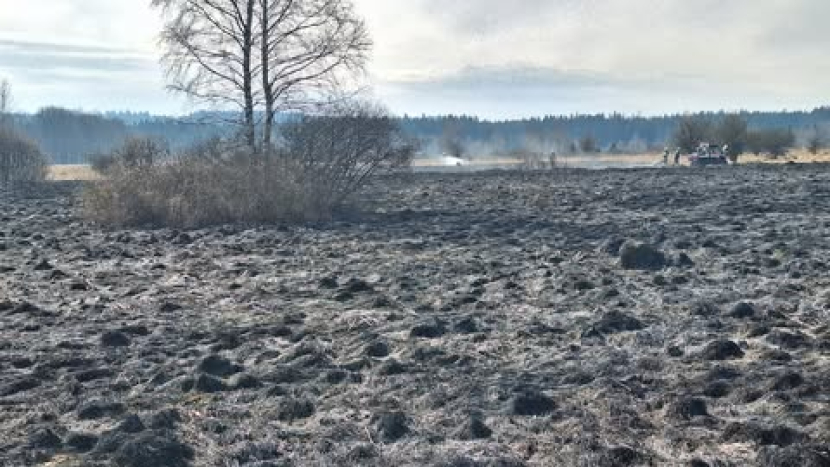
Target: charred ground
{"x":461,"y":320}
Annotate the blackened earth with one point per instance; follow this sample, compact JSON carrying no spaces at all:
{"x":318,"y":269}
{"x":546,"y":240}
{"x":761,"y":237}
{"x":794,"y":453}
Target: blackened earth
{"x":614,"y":318}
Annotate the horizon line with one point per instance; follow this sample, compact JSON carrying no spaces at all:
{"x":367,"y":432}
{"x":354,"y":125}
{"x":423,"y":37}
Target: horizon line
{"x":406,"y":115}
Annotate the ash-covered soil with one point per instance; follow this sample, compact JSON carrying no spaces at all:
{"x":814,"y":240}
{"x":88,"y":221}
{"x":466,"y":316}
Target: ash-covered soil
{"x":462,"y":320}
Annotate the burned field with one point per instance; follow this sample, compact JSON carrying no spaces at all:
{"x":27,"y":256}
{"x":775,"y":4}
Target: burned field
{"x":609,"y":318}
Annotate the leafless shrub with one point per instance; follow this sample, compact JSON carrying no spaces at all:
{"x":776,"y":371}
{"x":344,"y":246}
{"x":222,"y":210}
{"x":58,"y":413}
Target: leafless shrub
{"x":815,"y":145}
{"x":323,"y":161}
{"x":142,"y":151}
{"x":20,"y":159}
{"x":102,"y":163}
{"x":691,"y":131}
{"x":588,"y":145}
{"x":136,"y":151}
{"x":214,"y":150}
{"x":195,"y":192}
{"x":816,"y":140}
{"x":732,"y":131}
{"x":776,"y":142}
{"x":337,"y":153}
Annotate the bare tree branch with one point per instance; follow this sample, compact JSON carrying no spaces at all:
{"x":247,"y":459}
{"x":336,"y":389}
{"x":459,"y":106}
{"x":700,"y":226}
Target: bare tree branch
{"x":262,"y":56}
{"x":210,"y":53}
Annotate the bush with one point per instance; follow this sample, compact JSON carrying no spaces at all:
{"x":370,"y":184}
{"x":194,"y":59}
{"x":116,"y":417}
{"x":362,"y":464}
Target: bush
{"x":142,"y":151}
{"x":588,"y":145}
{"x":732,"y":131}
{"x":774,"y":141}
{"x":134,"y":152}
{"x":336,"y":154}
{"x":194,"y":192}
{"x":691,"y":131}
{"x":213,"y":149}
{"x":20,"y":159}
{"x":102,"y":163}
{"x":815,"y":144}
{"x":321,"y":163}
{"x":816,"y":140}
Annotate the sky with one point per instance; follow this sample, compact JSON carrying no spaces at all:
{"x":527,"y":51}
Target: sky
{"x":492,"y":58}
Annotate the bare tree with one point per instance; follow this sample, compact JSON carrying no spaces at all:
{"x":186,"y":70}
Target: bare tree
{"x":263,"y":56}
{"x":210,"y":53}
{"x":5,"y":101}
{"x":305,"y":44}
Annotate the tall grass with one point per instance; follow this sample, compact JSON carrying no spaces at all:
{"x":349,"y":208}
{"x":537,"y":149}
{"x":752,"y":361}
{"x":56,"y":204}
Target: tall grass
{"x":192,"y":192}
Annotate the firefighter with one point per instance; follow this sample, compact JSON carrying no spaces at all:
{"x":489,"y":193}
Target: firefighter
{"x":677,"y":157}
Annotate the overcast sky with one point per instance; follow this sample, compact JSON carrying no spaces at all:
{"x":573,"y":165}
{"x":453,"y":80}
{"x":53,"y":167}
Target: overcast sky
{"x":493,"y":58}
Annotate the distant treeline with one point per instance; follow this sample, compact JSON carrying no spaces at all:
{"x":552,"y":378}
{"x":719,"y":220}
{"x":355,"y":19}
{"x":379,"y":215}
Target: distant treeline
{"x":70,"y":137}
{"x":563,"y":134}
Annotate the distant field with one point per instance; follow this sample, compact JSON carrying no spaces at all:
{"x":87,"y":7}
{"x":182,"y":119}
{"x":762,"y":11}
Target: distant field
{"x":796,"y":156}
{"x":800,"y":156}
{"x":621,"y":160}
{"x":72,"y":172}
{"x":85,"y":172}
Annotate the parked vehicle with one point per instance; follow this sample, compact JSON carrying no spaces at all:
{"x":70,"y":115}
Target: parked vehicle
{"x":708,"y":155}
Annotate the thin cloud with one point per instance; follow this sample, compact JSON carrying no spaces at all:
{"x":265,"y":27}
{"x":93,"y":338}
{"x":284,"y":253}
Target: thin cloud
{"x":650,"y":56}
{"x":521,"y":90}
{"x":55,"y":47}
{"x":474,"y":56}
{"x":45,"y":58}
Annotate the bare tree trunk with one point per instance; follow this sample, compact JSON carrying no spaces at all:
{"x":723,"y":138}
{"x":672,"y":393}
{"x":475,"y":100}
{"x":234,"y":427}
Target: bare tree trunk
{"x":247,"y":77}
{"x":5,"y":101}
{"x":267,"y":89}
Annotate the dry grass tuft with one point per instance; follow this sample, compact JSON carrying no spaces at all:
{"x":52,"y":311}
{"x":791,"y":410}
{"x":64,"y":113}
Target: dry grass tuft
{"x":192,"y":193}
